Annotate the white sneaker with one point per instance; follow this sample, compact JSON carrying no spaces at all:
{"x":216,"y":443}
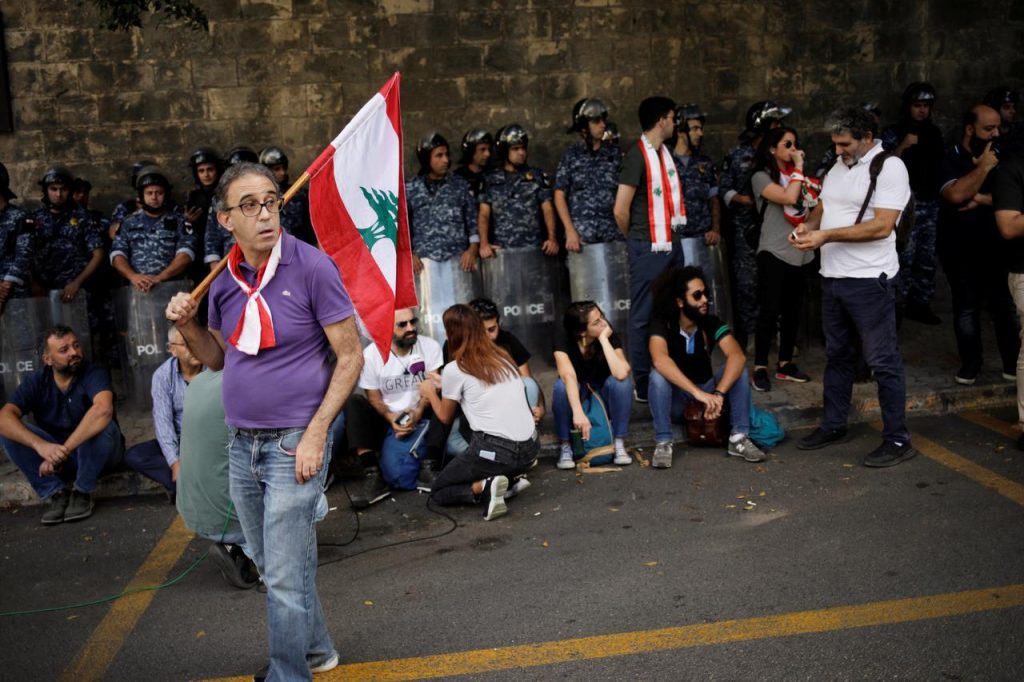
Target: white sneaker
{"x":497,"y":487}
{"x":565,"y":460}
{"x":330,"y":664}
{"x":746,"y":449}
{"x":662,"y":458}
{"x":519,"y":486}
{"x":622,"y":458}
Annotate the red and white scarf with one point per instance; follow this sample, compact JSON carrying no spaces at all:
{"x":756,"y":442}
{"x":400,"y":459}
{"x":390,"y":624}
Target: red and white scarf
{"x":255,"y":330}
{"x":809,"y":191}
{"x":665,"y":210}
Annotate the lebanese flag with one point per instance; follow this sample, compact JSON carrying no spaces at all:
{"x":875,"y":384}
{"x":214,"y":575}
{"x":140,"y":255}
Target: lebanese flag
{"x":357,"y":206}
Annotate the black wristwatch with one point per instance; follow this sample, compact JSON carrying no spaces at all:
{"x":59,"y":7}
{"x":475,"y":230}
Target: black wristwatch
{"x":717,"y":392}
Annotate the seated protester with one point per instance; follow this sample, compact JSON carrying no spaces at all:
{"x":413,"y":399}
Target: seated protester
{"x":158,"y":459}
{"x":482,"y":380}
{"x":458,"y":440}
{"x":386,"y":423}
{"x":154,"y":244}
{"x":589,"y":353}
{"x":75,"y":437}
{"x":681,"y":339}
{"x":203,"y":499}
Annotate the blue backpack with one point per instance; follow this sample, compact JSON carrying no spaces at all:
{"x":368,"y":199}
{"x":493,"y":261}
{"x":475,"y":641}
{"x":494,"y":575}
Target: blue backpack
{"x":398,"y":465}
{"x":598,"y":449}
{"x":765,"y":429}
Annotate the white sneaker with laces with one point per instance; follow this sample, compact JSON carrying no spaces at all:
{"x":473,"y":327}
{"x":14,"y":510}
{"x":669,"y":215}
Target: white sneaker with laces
{"x":662,"y":458}
{"x":497,"y":487}
{"x":565,"y":460}
{"x":745,"y":448}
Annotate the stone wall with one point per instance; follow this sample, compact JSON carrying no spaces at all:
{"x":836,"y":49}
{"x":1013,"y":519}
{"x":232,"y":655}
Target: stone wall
{"x":292,"y":72}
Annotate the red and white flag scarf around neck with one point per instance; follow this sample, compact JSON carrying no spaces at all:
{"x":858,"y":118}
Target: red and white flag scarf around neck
{"x":255,"y":329}
{"x":665,"y":209}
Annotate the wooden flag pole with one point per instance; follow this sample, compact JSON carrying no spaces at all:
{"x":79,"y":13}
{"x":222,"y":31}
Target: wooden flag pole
{"x":204,"y":286}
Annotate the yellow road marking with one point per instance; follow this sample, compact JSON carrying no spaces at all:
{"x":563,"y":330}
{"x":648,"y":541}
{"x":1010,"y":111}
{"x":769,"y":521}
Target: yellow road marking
{"x":991,"y":423}
{"x":977,"y":473}
{"x":686,"y":636}
{"x":108,"y":637}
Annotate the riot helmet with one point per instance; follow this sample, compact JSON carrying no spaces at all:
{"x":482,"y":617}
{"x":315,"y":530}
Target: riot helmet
{"x":138,"y":166}
{"x":5,"y":183}
{"x":471,"y":139}
{"x":239,"y":154}
{"x":426,"y":146}
{"x":1000,"y":95}
{"x":57,"y":174}
{"x":687,"y":112}
{"x":151,"y":175}
{"x":761,"y":114}
{"x":510,"y":136}
{"x":918,"y":92}
{"x":586,"y":110}
{"x":273,"y":156}
{"x":204,"y":155}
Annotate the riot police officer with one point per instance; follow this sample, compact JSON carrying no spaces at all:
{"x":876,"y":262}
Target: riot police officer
{"x":476,"y":153}
{"x":69,"y":246}
{"x":131,"y":204}
{"x":218,"y":241}
{"x":700,"y":183}
{"x":587,"y":179}
{"x":16,"y":245}
{"x":154,"y":244}
{"x":442,"y":210}
{"x":516,"y":199}
{"x":295,"y":214}
{"x":734,"y":187}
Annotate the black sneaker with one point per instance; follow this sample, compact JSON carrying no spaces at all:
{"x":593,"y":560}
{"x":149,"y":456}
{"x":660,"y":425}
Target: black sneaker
{"x":56,"y":504}
{"x":79,"y":506}
{"x":234,"y":570}
{"x":889,"y":454}
{"x":373,"y":489}
{"x":760,"y":381}
{"x":427,"y":476}
{"x":921,"y":313}
{"x":790,"y":372}
{"x":820,"y":438}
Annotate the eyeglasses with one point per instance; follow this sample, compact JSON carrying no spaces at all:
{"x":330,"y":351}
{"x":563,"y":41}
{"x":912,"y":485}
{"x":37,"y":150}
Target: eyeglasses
{"x":402,"y":324}
{"x":699,"y":294}
{"x":251,"y":208}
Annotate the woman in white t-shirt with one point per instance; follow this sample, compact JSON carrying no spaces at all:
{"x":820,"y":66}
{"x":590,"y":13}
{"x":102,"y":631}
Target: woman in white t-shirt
{"x":483,"y":380}
{"x":778,"y":188}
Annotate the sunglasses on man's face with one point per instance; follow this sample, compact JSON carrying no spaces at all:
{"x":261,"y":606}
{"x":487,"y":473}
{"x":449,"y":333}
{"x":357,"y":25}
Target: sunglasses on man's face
{"x":699,"y":294}
{"x":402,"y":324}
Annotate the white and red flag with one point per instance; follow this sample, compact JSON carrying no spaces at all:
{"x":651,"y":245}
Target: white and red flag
{"x":357,"y":206}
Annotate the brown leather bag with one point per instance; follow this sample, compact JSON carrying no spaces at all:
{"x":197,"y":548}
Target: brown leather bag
{"x":701,"y":431}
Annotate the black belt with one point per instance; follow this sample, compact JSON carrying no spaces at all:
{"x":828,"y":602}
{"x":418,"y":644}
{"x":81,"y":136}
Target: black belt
{"x":514,"y":445}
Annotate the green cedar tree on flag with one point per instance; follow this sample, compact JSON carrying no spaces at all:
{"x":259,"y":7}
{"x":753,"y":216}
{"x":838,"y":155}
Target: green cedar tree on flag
{"x":357,"y":206}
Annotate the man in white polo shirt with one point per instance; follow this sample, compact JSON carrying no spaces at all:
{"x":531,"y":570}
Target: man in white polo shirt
{"x":856,"y":235}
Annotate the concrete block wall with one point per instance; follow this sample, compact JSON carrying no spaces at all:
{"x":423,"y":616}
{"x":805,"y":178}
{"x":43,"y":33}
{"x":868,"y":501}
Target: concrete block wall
{"x":293,"y":72}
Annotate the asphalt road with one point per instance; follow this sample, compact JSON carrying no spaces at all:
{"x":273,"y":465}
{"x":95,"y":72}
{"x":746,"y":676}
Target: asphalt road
{"x":806,"y":567}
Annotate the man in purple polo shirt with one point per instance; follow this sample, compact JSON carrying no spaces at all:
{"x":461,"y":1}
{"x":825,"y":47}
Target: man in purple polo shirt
{"x":276,"y":313}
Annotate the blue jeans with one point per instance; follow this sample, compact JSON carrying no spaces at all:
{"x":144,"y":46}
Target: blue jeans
{"x":278,"y":517}
{"x":84,"y":465}
{"x":457,"y":442}
{"x":148,"y":459}
{"x":864,"y":307}
{"x":644,"y":268}
{"x":668,"y":402}
{"x":618,"y":399}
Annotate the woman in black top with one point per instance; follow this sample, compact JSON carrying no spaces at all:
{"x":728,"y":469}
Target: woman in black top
{"x":589,"y":353}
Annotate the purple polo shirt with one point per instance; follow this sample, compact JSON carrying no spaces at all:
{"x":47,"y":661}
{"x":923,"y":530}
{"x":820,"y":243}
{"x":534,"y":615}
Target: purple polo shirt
{"x":283,"y":386}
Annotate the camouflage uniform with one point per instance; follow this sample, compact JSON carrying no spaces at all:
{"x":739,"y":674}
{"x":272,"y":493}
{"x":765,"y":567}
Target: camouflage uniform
{"x":64,"y":245}
{"x":475,"y":180}
{"x":590,"y":180}
{"x":918,"y":259}
{"x":515,"y":199}
{"x":737,"y":168}
{"x":700,"y":185}
{"x":149,"y":244}
{"x":16,"y":249}
{"x":295,"y":217}
{"x":218,"y":241}
{"x":123,"y":210}
{"x":442,"y":216}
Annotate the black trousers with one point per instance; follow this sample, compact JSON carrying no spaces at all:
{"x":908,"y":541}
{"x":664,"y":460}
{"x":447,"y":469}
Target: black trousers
{"x":366,"y":428}
{"x":780,"y":293}
{"x":487,"y":456}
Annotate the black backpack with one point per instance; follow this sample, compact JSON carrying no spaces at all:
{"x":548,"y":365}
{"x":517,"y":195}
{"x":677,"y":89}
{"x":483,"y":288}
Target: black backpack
{"x":905,"y":222}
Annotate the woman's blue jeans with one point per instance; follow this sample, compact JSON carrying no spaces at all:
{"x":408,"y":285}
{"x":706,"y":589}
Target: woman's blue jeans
{"x":618,"y":400}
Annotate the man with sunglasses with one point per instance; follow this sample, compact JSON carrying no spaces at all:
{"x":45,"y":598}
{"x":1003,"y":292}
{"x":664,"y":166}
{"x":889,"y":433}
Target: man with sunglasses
{"x":277,"y":314}
{"x":385,"y":424}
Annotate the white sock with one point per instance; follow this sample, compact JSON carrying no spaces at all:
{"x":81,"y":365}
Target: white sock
{"x":566,"y":450}
{"x":737,"y":437}
{"x":620,"y":447}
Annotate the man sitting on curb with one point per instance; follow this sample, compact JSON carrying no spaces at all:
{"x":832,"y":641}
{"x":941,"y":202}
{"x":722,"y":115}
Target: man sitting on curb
{"x":158,"y":458}
{"x":76,"y":436}
{"x":203,"y":499}
{"x":682,"y":337}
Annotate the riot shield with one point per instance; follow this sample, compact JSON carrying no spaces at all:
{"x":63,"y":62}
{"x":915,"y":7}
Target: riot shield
{"x":600,"y":273}
{"x":440,"y":285}
{"x":21,"y":328}
{"x":75,"y":315}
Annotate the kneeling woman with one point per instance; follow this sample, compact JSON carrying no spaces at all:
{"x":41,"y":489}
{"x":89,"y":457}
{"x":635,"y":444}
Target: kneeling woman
{"x":483,"y":380}
{"x":589,"y":353}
